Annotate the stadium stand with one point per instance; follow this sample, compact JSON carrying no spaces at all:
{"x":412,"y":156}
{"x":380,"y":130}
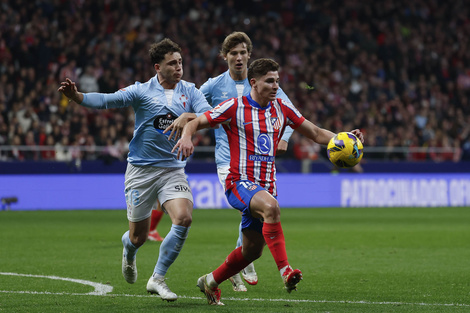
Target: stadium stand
{"x":399,"y":70}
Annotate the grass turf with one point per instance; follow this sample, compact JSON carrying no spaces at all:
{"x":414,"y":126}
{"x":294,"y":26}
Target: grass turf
{"x":353,"y":260}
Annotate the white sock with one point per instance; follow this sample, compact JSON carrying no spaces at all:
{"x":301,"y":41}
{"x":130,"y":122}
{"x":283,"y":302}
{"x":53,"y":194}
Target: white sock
{"x":283,"y":270}
{"x":211,"y":281}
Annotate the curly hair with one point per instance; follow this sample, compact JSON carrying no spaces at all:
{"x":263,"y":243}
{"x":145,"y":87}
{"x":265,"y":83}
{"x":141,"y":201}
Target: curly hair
{"x":159,"y":50}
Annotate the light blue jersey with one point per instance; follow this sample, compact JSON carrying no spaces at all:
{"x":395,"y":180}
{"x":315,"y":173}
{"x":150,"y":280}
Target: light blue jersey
{"x":222,"y":88}
{"x":153,"y":113}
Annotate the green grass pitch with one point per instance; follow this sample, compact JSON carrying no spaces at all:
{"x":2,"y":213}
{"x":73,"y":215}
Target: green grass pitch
{"x":353,"y":260}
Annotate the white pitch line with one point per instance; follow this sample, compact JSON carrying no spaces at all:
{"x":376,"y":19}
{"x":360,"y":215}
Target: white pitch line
{"x":244,"y":299}
{"x":100,"y":289}
{"x":104,"y":290}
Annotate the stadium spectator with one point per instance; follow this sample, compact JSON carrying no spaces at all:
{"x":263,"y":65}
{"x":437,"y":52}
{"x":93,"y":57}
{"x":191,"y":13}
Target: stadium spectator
{"x":62,"y":150}
{"x":88,"y":81}
{"x":15,"y":153}
{"x":153,"y":172}
{"x":48,"y":155}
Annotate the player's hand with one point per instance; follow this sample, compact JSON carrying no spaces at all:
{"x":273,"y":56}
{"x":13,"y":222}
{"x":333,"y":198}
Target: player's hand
{"x":185,"y":148}
{"x":281,"y":147}
{"x":358,"y":134}
{"x":69,"y":89}
{"x":177,"y":126}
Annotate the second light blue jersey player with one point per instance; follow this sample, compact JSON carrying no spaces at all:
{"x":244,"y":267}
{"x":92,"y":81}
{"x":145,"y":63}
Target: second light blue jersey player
{"x":154,"y":111}
{"x":221,"y":88}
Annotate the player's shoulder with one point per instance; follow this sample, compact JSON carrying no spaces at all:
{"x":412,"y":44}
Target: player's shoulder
{"x":143,"y":86}
{"x":220,"y":77}
{"x":214,"y":81}
{"x":186,"y":85}
{"x":284,"y":104}
{"x":132,"y":89}
{"x":228,"y":103}
{"x":282,"y":101}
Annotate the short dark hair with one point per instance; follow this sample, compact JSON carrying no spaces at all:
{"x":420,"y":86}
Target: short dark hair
{"x":235,"y":39}
{"x":261,"y":67}
{"x":159,"y":50}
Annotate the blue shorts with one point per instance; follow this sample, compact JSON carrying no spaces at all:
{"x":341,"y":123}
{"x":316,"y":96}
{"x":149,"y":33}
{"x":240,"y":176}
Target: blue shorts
{"x":239,"y":196}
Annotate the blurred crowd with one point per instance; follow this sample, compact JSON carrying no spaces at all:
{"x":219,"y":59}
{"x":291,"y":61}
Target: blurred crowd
{"x":398,"y":70}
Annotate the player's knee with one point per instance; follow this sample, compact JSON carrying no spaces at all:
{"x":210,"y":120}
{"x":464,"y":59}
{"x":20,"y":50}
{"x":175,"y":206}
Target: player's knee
{"x":183,"y":220}
{"x":138,"y":239}
{"x":257,"y":254}
{"x":187,"y":220}
{"x":272,"y":211}
{"x":252,"y":253}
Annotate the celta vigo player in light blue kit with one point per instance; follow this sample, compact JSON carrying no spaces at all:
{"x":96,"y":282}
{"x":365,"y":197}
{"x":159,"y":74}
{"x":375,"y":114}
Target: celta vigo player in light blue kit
{"x":236,"y":50}
{"x":153,"y":171}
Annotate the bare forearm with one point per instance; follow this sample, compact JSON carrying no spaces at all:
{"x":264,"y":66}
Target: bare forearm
{"x":319,"y":135}
{"x":184,"y":146}
{"x":192,"y":127}
{"x":324,"y":136}
{"x":189,"y":129}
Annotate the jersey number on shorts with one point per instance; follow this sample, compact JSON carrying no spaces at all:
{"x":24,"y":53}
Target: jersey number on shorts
{"x":132,"y":197}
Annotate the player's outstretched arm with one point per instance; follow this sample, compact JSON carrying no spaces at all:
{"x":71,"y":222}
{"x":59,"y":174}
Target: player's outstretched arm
{"x":185,"y":146}
{"x":69,"y":89}
{"x":319,"y":135}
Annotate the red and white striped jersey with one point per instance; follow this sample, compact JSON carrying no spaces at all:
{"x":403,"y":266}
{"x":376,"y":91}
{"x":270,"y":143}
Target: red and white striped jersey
{"x":253,"y":134}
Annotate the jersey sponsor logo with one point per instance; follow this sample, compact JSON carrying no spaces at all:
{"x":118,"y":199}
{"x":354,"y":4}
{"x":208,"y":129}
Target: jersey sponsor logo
{"x":161,"y":122}
{"x":264,"y":143}
{"x":261,"y":158}
{"x":182,"y":188}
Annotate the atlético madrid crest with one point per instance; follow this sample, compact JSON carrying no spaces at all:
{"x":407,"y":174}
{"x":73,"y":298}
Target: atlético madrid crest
{"x":276,"y":122}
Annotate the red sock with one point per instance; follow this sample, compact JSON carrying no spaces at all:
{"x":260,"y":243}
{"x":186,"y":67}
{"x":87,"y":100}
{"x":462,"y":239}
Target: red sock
{"x":234,"y":263}
{"x":274,"y":238}
{"x":155,"y":219}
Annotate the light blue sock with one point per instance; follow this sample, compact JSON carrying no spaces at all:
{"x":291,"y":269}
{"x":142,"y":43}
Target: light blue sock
{"x":131,"y":250}
{"x":240,"y":236}
{"x":170,"y":248}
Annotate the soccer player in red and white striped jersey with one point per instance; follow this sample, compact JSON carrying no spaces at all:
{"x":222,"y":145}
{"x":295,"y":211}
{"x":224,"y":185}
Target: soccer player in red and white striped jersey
{"x":253,"y":137}
{"x":254,"y":126}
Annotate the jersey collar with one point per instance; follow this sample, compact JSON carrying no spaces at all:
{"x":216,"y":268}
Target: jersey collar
{"x":255,"y":104}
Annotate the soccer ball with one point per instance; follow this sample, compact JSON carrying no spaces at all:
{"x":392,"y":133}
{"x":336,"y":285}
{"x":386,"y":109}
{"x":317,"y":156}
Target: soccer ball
{"x":345,"y":150}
